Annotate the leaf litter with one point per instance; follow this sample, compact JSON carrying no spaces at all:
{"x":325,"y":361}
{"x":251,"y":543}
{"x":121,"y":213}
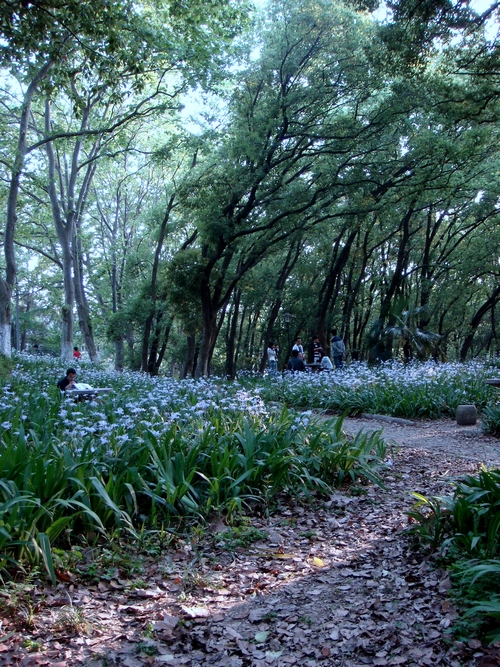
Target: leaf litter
{"x":334,"y":582}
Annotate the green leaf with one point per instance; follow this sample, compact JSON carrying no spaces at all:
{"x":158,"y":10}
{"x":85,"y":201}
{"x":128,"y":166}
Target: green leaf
{"x":44,"y":543}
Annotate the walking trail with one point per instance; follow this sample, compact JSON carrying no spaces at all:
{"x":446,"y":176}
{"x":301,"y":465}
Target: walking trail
{"x":332,"y":584}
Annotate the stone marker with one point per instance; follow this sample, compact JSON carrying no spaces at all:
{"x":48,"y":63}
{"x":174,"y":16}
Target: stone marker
{"x":466,"y":415}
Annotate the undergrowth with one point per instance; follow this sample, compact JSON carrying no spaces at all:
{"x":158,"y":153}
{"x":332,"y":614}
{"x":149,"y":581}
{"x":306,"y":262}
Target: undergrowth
{"x":61,"y":493}
{"x":465,"y":528}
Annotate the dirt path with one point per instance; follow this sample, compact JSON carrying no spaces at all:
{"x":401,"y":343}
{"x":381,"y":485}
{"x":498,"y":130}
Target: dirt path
{"x":333,"y":584}
{"x":440,"y":436}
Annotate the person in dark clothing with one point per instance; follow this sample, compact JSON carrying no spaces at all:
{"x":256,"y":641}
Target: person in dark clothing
{"x":67,"y":382}
{"x":337,"y":349}
{"x":295,"y":363}
{"x":317,"y":350}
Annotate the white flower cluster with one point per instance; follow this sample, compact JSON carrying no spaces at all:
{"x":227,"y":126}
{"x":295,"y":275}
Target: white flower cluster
{"x":138,"y":403}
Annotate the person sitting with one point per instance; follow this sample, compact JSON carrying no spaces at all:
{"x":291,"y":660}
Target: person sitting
{"x":326,"y":363}
{"x":77,"y":354}
{"x":295,"y":363}
{"x":68,"y":382}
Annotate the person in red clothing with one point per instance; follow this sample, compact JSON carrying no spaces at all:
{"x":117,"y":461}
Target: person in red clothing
{"x":77,"y":354}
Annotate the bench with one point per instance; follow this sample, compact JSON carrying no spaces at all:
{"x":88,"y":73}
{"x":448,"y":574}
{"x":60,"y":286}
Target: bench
{"x":84,"y":392}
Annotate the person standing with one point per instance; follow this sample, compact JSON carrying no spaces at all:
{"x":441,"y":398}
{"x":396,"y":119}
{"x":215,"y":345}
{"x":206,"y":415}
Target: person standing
{"x":317,"y":350}
{"x":298,"y":347}
{"x":337,"y":348}
{"x":272,"y":355}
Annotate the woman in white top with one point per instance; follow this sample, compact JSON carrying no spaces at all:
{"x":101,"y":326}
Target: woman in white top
{"x":272,"y":352}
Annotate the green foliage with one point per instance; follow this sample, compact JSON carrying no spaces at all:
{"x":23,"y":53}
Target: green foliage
{"x":412,"y":391}
{"x":239,"y":536}
{"x":467,"y":529}
{"x":5,"y":367}
{"x":55,"y":490}
{"x":468,"y":523}
{"x":491,"y":419}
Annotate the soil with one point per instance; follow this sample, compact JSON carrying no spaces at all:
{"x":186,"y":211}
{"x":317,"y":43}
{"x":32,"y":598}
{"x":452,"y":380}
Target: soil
{"x":334,"y":583}
{"x":440,"y":436}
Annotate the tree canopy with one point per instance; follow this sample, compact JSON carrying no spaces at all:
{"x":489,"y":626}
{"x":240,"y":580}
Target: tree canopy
{"x":337,"y":168}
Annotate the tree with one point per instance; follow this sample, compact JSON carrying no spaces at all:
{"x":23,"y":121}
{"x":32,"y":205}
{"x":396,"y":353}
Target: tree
{"x":108,"y":42}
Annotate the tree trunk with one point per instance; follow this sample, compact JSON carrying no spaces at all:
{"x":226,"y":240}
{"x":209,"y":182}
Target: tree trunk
{"x":64,"y":234}
{"x":119,"y":354}
{"x":5,"y":319}
{"x":154,"y":278}
{"x":231,"y":339}
{"x":208,"y":339}
{"x":157,"y":353}
{"x":82,"y":305}
{"x":338,"y":262}
{"x":240,"y":335}
{"x":290,"y":261}
{"x":476,"y":321}
{"x":7,"y":285}
{"x":190,"y":354}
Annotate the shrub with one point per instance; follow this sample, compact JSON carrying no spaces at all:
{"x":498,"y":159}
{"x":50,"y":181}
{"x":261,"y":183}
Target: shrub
{"x":491,"y":419}
{"x":157,"y":453}
{"x":467,"y":529}
{"x":6,"y":366}
{"x":417,"y":390}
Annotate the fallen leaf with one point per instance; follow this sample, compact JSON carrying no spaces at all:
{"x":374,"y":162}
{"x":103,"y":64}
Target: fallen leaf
{"x":196,"y":612}
{"x":318,"y":562}
{"x":261,"y":637}
{"x":168,"y":623}
{"x":233,"y":633}
{"x":274,"y":537}
{"x":168,"y":657}
{"x":273,"y":654}
{"x":150,"y":593}
{"x":256,"y":615}
{"x":282,"y":556}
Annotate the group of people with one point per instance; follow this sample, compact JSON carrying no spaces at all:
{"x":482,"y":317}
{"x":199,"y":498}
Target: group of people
{"x":77,"y":355}
{"x":321,"y":361}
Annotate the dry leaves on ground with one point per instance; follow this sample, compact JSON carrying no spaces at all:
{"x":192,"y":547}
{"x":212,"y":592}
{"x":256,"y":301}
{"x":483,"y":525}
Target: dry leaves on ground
{"x":334,"y":583}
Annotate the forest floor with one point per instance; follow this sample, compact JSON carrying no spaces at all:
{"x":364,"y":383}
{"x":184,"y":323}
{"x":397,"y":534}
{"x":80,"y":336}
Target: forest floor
{"x":328,"y":583}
